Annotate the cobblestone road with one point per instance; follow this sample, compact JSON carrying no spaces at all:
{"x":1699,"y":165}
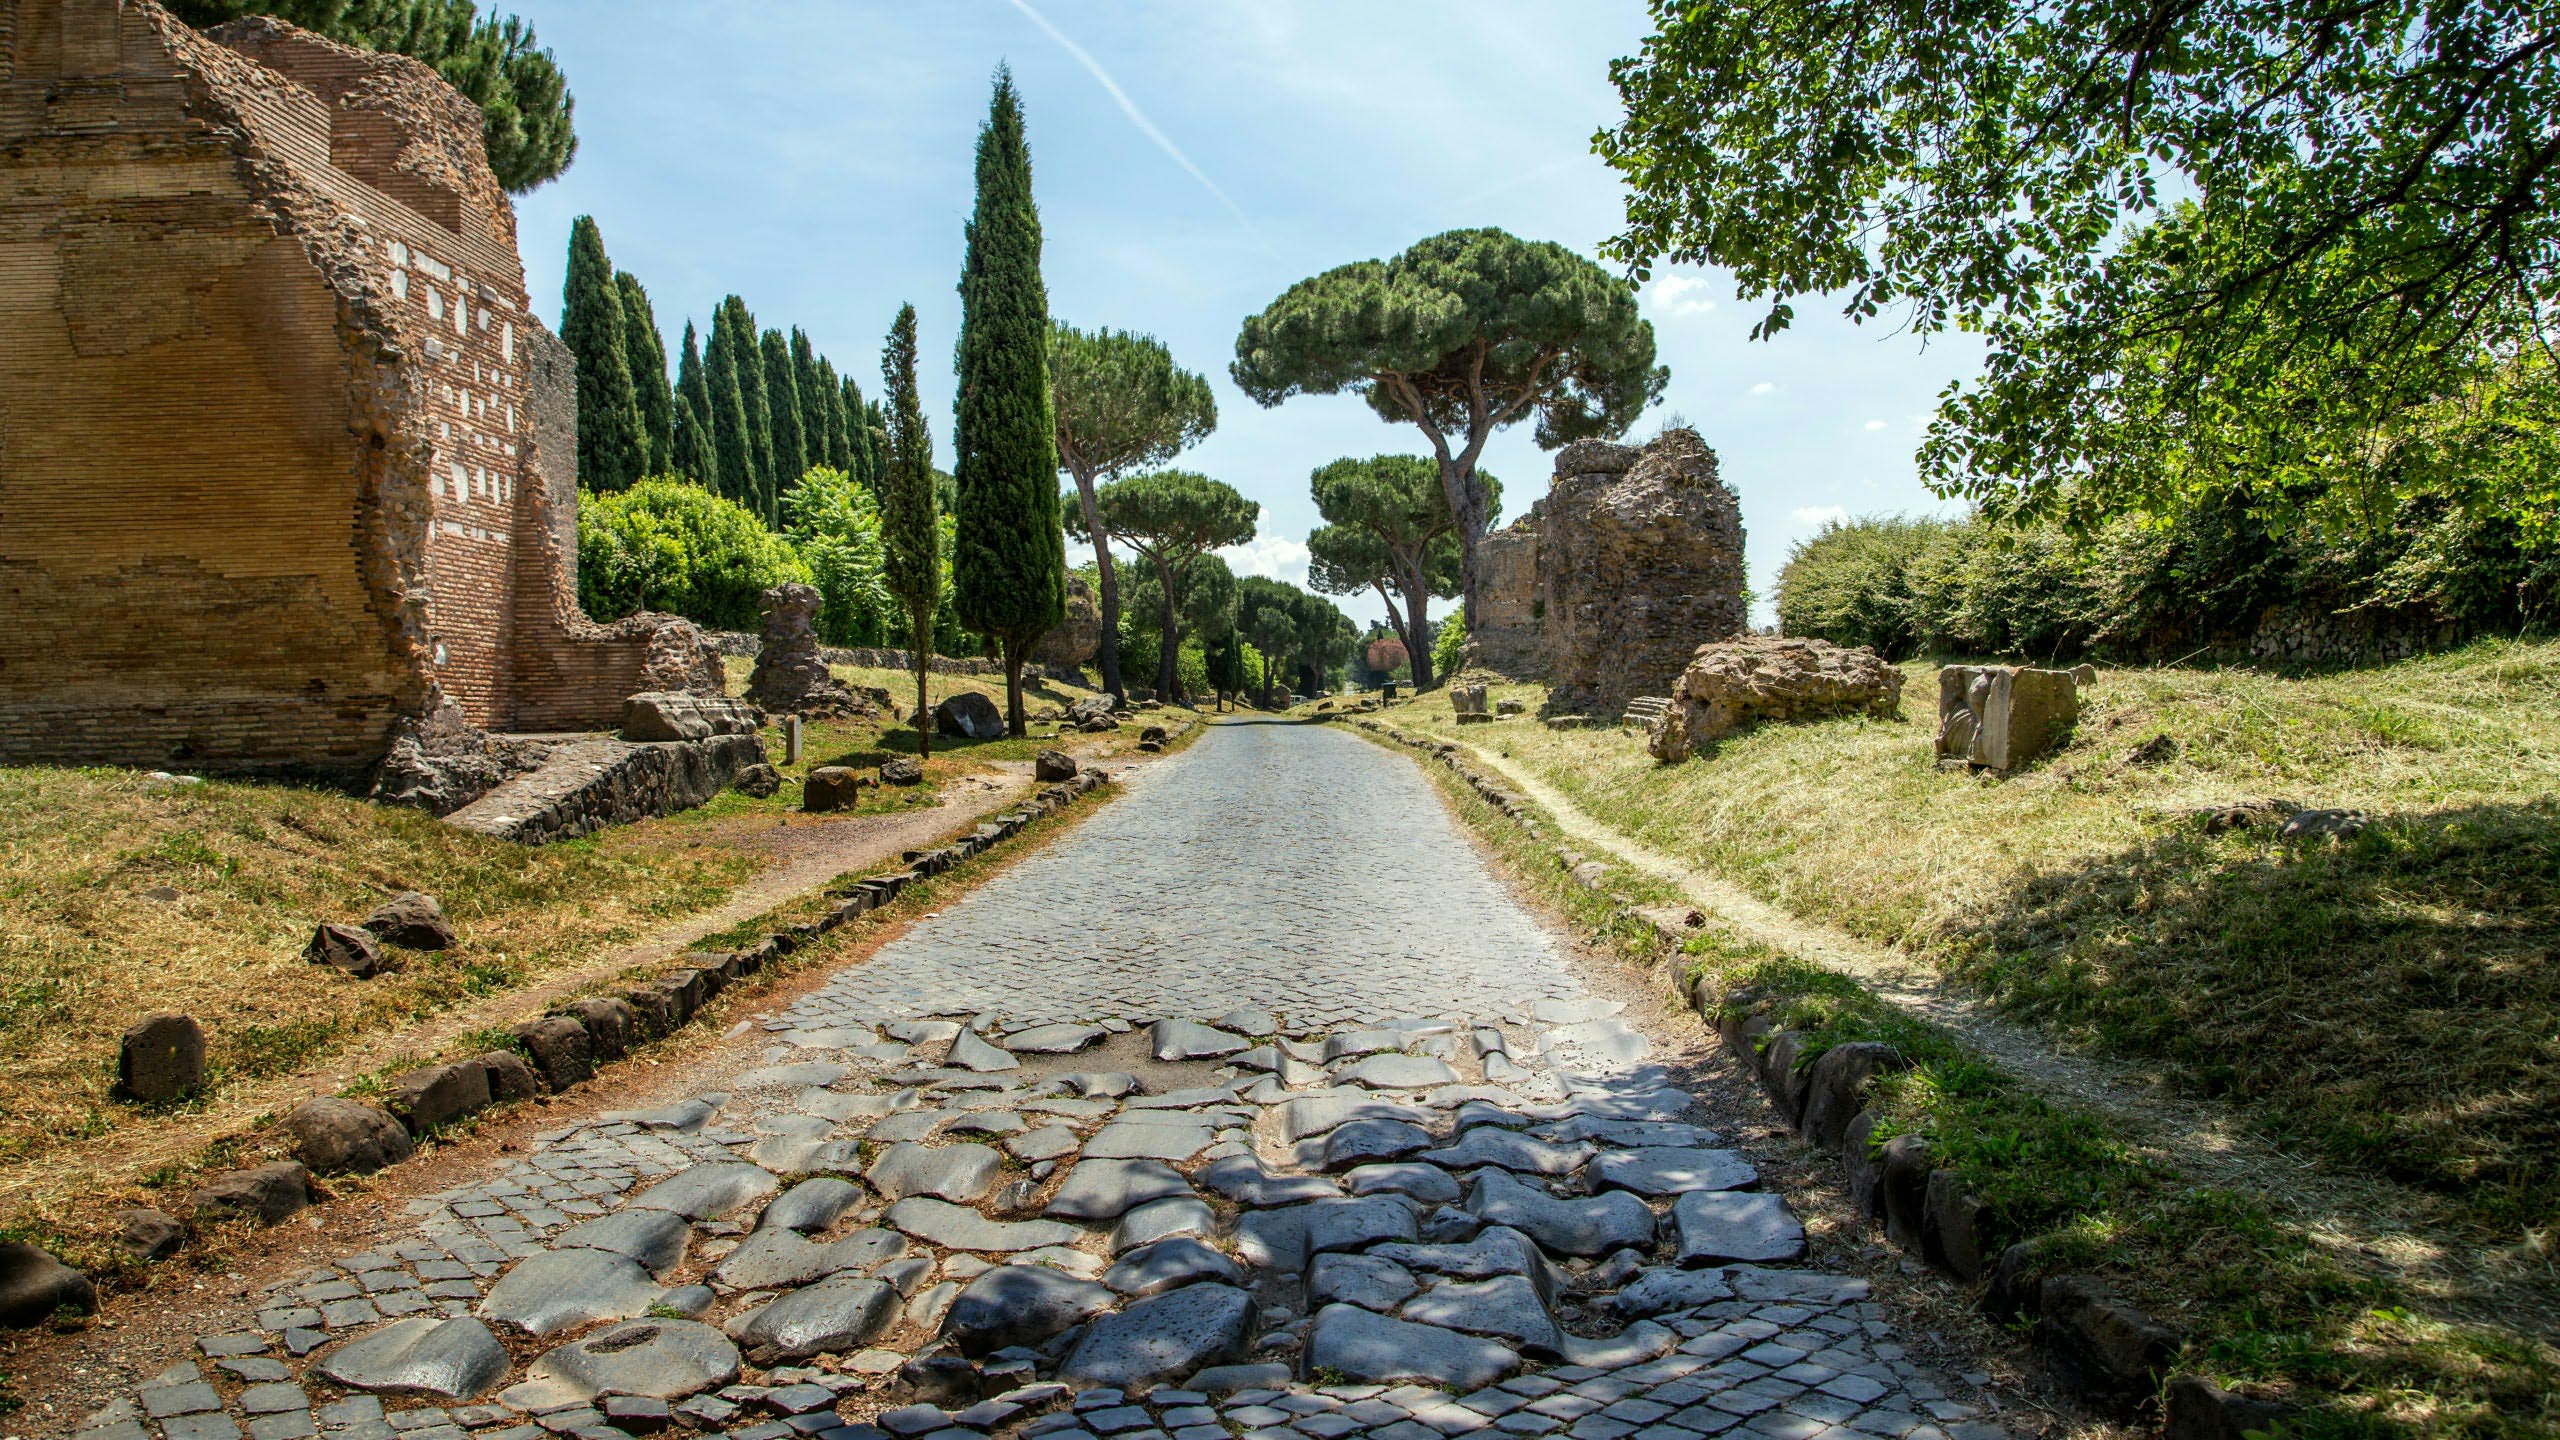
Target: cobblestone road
{"x":1253,"y":1106}
{"x":1286,"y":867}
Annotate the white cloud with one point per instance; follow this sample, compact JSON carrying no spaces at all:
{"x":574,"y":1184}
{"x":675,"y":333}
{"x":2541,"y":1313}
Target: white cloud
{"x":1875,"y":424}
{"x":1814,"y":517}
{"x":1679,"y":295}
{"x":1276,"y":556}
{"x":1764,"y":388}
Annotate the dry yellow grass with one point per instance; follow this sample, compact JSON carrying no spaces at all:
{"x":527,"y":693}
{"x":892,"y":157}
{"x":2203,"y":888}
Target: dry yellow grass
{"x":2389,"y":1001}
{"x":126,"y":896}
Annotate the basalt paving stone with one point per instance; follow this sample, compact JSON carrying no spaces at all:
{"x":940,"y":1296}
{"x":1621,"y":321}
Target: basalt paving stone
{"x":1021,"y":1305}
{"x":656,"y":1239}
{"x":1489,"y":1145}
{"x":1629,"y":1133}
{"x":957,"y":1227}
{"x":1660,"y":1171}
{"x":1054,"y":1039}
{"x":1371,"y":1282}
{"x":839,"y":1313}
{"x":1717,"y":1227}
{"x":1306,"y":1116}
{"x":1425,"y":1184}
{"x":708,"y":1191}
{"x":810,"y":1205}
{"x":1048,"y":1142}
{"x":1182,"y":1260}
{"x":973,"y":1053}
{"x":661,"y":1359}
{"x":1244,"y":1179}
{"x":1506,"y":1307}
{"x":1122,"y":1140}
{"x":1588,"y":1227}
{"x":962,"y":1172}
{"x":1161,"y":1220}
{"x":553,"y":1290}
{"x":1190,"y":1040}
{"x":1357,"y":1223}
{"x":1163,"y":1338}
{"x":1497,"y":1251}
{"x":1108,"y":1189}
{"x":1351,"y":1342}
{"x":451,"y":1359}
{"x":1397,"y":1072}
{"x":1363,"y":1142}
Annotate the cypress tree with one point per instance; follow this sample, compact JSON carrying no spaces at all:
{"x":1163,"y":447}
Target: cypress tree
{"x":782,"y":401}
{"x":697,"y":455}
{"x":910,"y":528}
{"x":869,"y":449}
{"x":732,"y":433}
{"x":612,"y":451}
{"x":762,"y":491}
{"x":813,"y":401}
{"x":648,"y":352}
{"x":1009,"y":559}
{"x":831,"y":401}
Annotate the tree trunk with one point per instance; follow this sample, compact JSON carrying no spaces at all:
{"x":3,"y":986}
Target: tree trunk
{"x":1107,"y":576}
{"x":1418,"y":652}
{"x":1168,"y":642}
{"x":1015,"y":652}
{"x":1458,"y":480}
{"x":920,"y":653}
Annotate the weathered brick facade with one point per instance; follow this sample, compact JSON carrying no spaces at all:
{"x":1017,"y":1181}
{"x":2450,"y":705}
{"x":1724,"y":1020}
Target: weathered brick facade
{"x":271,"y":470}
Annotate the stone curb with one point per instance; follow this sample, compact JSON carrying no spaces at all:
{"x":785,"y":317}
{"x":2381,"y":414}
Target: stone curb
{"x":564,"y":1047}
{"x":2100,"y":1347}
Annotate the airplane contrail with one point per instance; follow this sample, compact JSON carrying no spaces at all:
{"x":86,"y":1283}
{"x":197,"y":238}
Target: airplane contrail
{"x":1136,"y":116}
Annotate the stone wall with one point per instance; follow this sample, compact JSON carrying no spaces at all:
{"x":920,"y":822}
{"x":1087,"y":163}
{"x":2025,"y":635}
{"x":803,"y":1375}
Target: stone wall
{"x":586,"y":785}
{"x":269,"y":468}
{"x":1630,"y":562}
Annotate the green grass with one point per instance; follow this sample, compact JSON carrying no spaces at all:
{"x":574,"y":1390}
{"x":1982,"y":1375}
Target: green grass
{"x":2259,"y":1302}
{"x":2385,"y":1003}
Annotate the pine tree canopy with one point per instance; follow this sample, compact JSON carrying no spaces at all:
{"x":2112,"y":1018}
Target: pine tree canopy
{"x":648,"y":352}
{"x":612,"y":449}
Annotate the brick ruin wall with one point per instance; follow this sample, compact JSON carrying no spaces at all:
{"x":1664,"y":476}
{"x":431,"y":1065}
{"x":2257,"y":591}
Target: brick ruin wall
{"x":1630,"y":561}
{"x":269,"y":470}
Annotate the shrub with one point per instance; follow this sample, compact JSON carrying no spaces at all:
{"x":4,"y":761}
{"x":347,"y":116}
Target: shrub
{"x":668,"y":544}
{"x":835,"y":526}
{"x":1447,"y":645}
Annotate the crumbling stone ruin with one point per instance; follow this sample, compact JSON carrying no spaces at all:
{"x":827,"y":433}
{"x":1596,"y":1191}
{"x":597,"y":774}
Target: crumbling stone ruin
{"x":286,"y":459}
{"x":1605,"y":588}
{"x":791,"y":675}
{"x":1999,"y":717}
{"x":1763,"y":677}
{"x":1072,"y":643}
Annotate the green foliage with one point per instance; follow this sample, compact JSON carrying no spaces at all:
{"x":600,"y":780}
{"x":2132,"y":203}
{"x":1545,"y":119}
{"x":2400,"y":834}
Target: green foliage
{"x":2346,"y":306}
{"x":1009,"y":572}
{"x":727,"y":359}
{"x":1120,"y":403}
{"x":1448,"y":648}
{"x":2142,"y":589}
{"x":818,"y":404}
{"x":697,"y":453}
{"x":782,"y":410}
{"x":496,"y":62}
{"x":671,"y":545}
{"x":835,"y":527}
{"x":1462,"y":334}
{"x":613,"y":449}
{"x":648,"y":351}
{"x":1172,"y":518}
{"x":911,"y":526}
{"x":1411,"y":550}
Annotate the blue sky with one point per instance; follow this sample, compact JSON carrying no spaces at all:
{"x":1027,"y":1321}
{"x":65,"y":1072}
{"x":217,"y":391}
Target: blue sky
{"x":1192,"y":163}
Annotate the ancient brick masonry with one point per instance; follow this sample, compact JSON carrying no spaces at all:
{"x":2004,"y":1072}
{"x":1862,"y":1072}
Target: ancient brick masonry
{"x":1615,"y":576}
{"x":277,"y":463}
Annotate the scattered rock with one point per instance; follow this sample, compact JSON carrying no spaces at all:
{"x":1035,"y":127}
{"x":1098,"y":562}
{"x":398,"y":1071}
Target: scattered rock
{"x":412,"y":920}
{"x":560,"y":1048}
{"x":1377,"y":1350}
{"x":147,"y":1234}
{"x":761,"y":781}
{"x":970,"y":715}
{"x":161,"y":1059}
{"x":1051,"y":765}
{"x":511,"y":1078}
{"x":1163,"y":1338}
{"x":835,"y":787}
{"x":448,"y":1359}
{"x":33,"y":1285}
{"x":902,"y":770}
{"x":264,"y":1193}
{"x":333,"y":1137}
{"x":344,"y":948}
{"x":428,"y":1099}
{"x":2323,"y":825}
{"x":1733,"y":682}
{"x":2002,"y":717}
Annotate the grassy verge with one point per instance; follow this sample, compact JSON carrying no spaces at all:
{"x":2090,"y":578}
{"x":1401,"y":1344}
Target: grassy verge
{"x":2386,"y":1002}
{"x":2259,"y":1303}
